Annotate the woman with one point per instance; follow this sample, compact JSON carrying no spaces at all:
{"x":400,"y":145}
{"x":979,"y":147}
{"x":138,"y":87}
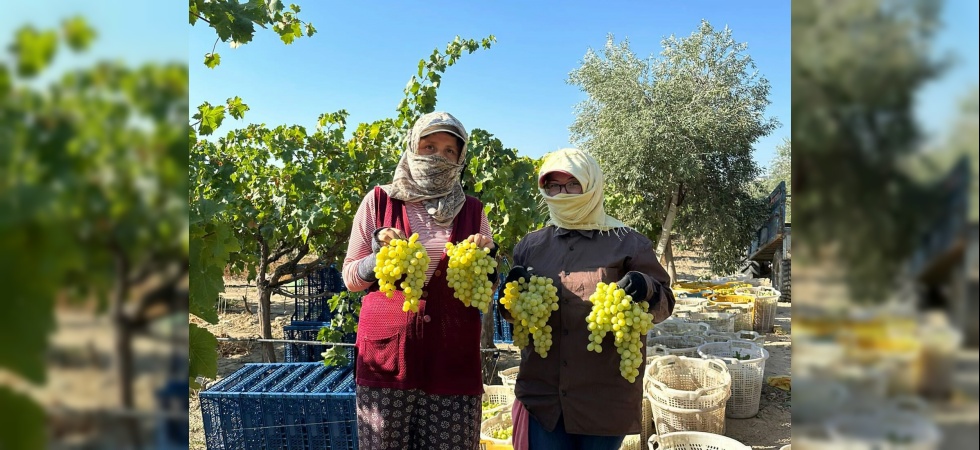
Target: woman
{"x":419,"y":379}
{"x":575,"y":398}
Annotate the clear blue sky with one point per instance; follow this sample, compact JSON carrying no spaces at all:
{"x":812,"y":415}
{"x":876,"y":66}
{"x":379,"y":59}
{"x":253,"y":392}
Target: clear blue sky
{"x":363,"y":55}
{"x":938,"y":102}
{"x":365,"y":52}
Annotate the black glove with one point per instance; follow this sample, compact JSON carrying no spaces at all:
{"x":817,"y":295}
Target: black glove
{"x":516,"y":273}
{"x":492,"y":276}
{"x":635,"y":286}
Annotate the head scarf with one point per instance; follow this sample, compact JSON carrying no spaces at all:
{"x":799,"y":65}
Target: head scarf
{"x":577,"y":212}
{"x":431,"y":179}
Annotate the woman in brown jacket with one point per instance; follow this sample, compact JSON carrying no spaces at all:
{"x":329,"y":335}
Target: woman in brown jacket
{"x":577,"y":399}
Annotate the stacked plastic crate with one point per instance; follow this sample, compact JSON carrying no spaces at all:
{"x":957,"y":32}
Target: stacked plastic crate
{"x":282,"y":406}
{"x":502,"y":329}
{"x":311,"y":313}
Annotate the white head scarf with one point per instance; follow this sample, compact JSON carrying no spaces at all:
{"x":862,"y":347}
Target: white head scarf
{"x":577,"y":212}
{"x":431,"y":179}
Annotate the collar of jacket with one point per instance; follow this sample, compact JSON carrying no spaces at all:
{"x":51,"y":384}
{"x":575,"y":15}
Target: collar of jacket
{"x":559,"y":231}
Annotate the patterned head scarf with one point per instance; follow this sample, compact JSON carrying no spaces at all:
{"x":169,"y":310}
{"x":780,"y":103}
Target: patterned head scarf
{"x":582,"y":211}
{"x":431,"y":179}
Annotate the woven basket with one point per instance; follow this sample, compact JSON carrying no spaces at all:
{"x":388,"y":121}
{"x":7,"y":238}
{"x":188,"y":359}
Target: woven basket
{"x":633,"y":442}
{"x":674,"y":327}
{"x":747,"y":374}
{"x":498,"y":422}
{"x":647,"y":428}
{"x":741,"y":306}
{"x":687,"y":394}
{"x":744,"y":335}
{"x":766,"y":302}
{"x":501,"y":395}
{"x":695,"y":440}
{"x":716,"y":321}
{"x":683,"y":345}
{"x":509,"y":376}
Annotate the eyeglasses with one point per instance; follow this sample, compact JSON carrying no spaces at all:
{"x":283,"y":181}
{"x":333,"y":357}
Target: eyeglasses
{"x":572,"y":187}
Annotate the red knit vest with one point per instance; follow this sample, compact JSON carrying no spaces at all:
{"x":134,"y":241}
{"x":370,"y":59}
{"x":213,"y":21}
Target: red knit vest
{"x":437,"y":349}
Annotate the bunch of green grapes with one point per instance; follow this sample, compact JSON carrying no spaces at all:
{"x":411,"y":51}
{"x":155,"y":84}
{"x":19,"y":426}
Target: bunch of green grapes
{"x":531,"y":303}
{"x":469,"y":266}
{"x":614,"y":311}
{"x":403,"y":258}
{"x":503,"y":434}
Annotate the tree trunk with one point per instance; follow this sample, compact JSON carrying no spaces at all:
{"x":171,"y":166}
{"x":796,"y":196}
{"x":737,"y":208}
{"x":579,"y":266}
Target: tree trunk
{"x":123,"y":347}
{"x":265,"y":322}
{"x":488,"y":361}
{"x":668,"y":224}
{"x":671,"y":267}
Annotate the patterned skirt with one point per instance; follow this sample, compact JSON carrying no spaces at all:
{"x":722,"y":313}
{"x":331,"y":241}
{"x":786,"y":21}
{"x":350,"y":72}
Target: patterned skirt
{"x":395,"y":419}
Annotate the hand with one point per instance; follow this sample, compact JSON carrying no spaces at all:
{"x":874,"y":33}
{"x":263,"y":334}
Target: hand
{"x":635,"y":286}
{"x":516,"y":273}
{"x":482,"y":241}
{"x":384,"y":236}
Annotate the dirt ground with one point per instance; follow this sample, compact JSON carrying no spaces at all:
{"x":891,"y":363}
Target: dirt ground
{"x":770,"y":429}
{"x":81,"y":395}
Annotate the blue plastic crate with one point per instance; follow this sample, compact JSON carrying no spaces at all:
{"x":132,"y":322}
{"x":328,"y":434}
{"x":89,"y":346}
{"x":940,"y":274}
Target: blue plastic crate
{"x":307,"y":331}
{"x":324,"y":281}
{"x":281,"y":406}
{"x":502,"y":329}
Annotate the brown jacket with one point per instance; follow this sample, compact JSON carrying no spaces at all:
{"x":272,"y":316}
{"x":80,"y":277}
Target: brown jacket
{"x":583,"y":387}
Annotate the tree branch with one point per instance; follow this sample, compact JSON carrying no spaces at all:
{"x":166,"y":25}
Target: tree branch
{"x":199,"y":16}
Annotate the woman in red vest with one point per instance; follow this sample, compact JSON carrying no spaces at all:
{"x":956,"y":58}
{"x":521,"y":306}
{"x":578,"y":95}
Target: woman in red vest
{"x":419,"y":379}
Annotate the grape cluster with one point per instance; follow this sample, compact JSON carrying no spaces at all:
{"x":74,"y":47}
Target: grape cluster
{"x":503,"y":434}
{"x":530,"y":303}
{"x":403,"y":258}
{"x":469,"y":266}
{"x":614,"y":311}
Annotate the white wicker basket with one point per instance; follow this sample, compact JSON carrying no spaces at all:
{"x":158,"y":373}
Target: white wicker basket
{"x":687,"y":394}
{"x":501,"y":395}
{"x":716,"y":321}
{"x":695,"y":440}
{"x":632,"y":442}
{"x":744,"y":335}
{"x":509,"y":376}
{"x":766,"y":302}
{"x":682,"y":345}
{"x":746,"y":363}
{"x":674,"y":327}
{"x":498,"y":422}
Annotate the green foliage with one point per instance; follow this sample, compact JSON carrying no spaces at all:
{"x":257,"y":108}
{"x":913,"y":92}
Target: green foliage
{"x":856,"y":70}
{"x":507,"y":185}
{"x":78,"y":34}
{"x":203,"y":349}
{"x":23,"y":422}
{"x":235,"y":21}
{"x":92,"y":184}
{"x":346,"y":307}
{"x":420,"y":92}
{"x":681,"y":123}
